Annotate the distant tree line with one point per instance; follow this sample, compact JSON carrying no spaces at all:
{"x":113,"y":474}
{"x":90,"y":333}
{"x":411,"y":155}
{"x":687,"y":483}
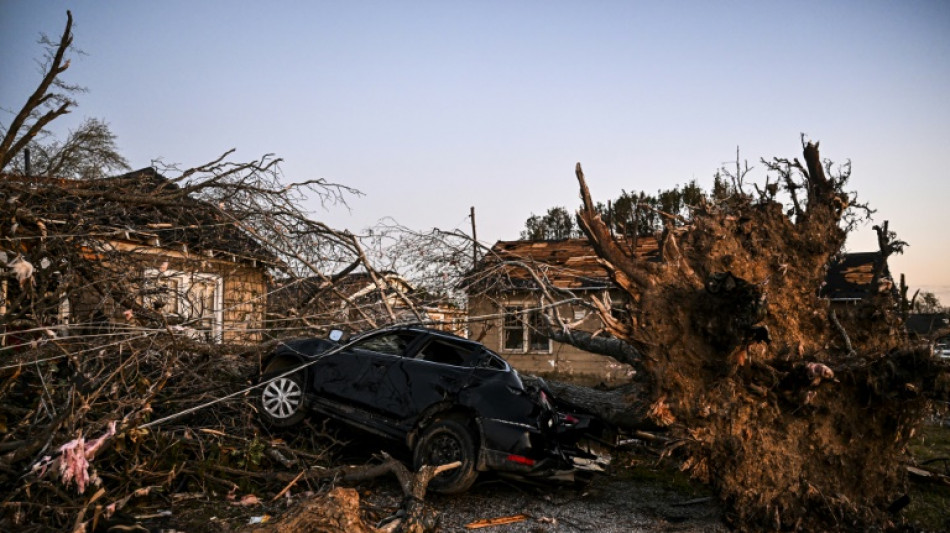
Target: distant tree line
{"x":928,"y":302}
{"x":632,"y":213}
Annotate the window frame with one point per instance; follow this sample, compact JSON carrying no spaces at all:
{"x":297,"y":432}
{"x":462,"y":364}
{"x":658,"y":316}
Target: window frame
{"x":464,"y":351}
{"x":184,"y":308}
{"x":406,"y":339}
{"x":526,"y":318}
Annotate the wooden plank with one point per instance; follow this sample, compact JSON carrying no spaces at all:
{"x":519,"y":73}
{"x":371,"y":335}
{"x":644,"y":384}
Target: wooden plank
{"x":499,"y":521}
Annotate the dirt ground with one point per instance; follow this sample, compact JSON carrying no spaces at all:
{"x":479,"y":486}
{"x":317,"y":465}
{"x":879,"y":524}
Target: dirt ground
{"x":635,"y":496}
{"x":609,"y":505}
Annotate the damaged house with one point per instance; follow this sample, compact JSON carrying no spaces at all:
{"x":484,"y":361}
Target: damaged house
{"x":139,"y":253}
{"x":863,"y":296}
{"x":506,"y":306}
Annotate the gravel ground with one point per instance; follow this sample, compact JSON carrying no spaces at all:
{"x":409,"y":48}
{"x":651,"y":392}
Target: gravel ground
{"x":608,"y":505}
{"x":636,"y":496}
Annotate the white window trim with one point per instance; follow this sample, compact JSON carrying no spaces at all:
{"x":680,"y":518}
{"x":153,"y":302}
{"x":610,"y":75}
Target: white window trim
{"x":523,"y":310}
{"x":185,"y":280}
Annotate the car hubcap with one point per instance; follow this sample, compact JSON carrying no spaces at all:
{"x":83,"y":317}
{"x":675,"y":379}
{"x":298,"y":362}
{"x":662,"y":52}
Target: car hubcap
{"x":444,"y":449}
{"x":282,"y":397}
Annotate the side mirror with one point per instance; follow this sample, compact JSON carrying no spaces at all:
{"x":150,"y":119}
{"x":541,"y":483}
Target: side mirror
{"x":335,"y":335}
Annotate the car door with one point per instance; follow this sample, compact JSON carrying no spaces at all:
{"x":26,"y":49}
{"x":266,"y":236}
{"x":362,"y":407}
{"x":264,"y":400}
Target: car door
{"x":379,"y":354}
{"x":333,"y":377}
{"x":352,"y":375}
{"x":437,"y":370}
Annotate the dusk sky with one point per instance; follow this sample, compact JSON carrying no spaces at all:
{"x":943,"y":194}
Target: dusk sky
{"x":432,"y":107}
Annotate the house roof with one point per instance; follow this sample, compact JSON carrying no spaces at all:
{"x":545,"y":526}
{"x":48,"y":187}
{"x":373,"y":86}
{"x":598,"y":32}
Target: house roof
{"x":141,"y":206}
{"x":573,"y":264}
{"x":850,"y":276}
{"x":567,"y":263}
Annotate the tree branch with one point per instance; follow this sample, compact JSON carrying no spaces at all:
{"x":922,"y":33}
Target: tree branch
{"x":11,"y":145}
{"x":600,"y":238}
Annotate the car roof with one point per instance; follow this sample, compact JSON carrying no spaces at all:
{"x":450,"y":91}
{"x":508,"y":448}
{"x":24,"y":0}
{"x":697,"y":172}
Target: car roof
{"x":418,"y":329}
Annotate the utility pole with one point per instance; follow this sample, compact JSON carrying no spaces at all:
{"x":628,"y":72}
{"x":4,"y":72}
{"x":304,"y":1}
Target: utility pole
{"x":474,"y":238}
{"x":610,"y":218}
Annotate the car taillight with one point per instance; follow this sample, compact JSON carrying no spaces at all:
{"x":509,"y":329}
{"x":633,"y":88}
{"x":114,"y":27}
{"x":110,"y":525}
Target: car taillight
{"x":568,"y":419}
{"x":544,"y":399}
{"x":521,"y":460}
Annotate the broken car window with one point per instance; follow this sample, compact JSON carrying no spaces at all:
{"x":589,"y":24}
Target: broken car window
{"x":488,"y":359}
{"x":390,"y":343}
{"x":439,"y":351}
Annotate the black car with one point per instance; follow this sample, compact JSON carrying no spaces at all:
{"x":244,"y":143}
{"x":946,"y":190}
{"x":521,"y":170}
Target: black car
{"x":445,"y":397}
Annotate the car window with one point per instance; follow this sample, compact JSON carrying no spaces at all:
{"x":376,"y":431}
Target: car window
{"x":388,"y":343}
{"x":439,"y":351}
{"x":489,"y":359}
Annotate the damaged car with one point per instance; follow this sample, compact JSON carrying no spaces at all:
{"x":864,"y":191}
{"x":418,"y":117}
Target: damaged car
{"x":444,"y":397}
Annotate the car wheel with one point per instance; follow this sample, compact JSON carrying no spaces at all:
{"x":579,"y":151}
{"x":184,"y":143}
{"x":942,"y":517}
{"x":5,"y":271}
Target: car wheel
{"x":445,"y":441}
{"x":282,"y":400}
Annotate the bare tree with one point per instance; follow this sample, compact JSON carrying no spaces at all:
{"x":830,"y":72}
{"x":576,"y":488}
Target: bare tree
{"x":88,"y":152}
{"x":52,"y":98}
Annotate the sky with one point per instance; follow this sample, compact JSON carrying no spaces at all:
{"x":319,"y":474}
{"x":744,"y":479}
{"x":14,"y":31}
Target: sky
{"x":430,"y":108}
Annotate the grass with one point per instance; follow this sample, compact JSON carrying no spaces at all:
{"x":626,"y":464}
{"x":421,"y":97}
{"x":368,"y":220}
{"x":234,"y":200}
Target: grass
{"x":929,"y":507}
{"x":633,"y":466}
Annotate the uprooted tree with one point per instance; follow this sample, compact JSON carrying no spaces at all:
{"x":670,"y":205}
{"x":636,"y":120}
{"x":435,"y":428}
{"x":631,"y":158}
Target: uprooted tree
{"x":796,"y":416}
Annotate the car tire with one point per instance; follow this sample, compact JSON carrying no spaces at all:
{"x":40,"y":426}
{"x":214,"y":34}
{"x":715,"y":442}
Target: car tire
{"x":445,"y":441}
{"x":281,"y":400}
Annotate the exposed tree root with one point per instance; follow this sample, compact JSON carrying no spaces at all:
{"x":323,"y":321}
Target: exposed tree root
{"x":798,"y":415}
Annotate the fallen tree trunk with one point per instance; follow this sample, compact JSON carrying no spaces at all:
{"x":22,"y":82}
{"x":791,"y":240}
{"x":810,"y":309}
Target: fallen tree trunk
{"x":624,"y":407}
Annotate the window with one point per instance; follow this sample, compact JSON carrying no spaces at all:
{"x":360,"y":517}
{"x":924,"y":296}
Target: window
{"x":193,"y":300}
{"x":514,"y":330}
{"x":439,"y":351}
{"x":523,"y":331}
{"x":486,"y":358}
{"x":161,"y":292}
{"x":389,"y":343}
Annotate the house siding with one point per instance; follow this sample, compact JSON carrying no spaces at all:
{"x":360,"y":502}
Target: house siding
{"x":243,"y":299}
{"x":563,"y":361}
